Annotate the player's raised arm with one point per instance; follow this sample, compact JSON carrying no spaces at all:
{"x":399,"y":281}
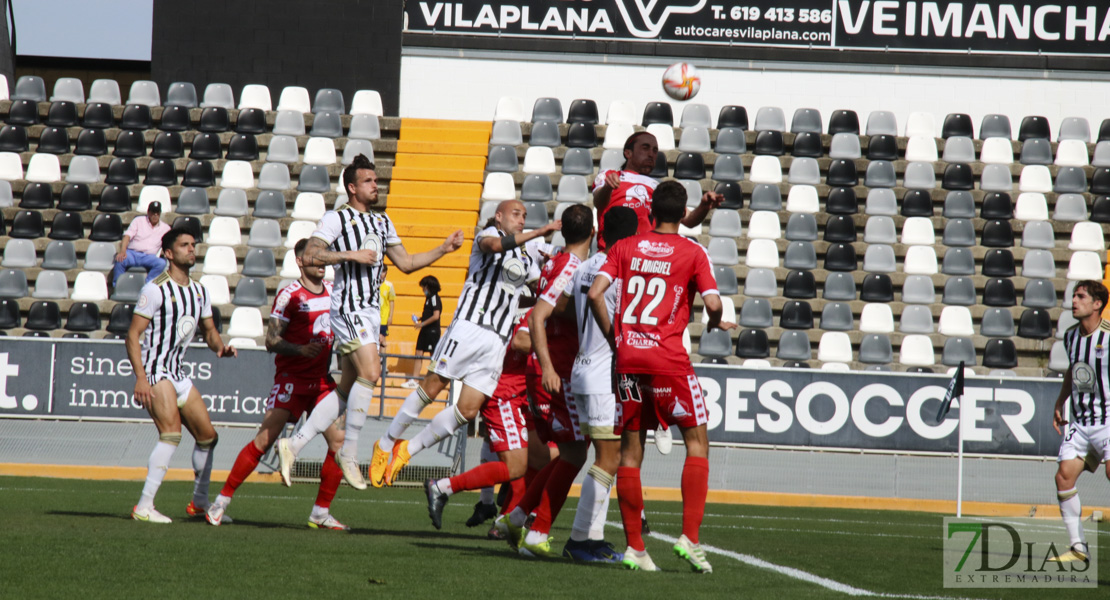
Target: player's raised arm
{"x":316,"y":253}
{"x":407,"y":263}
{"x":604,"y":192}
{"x":497,"y":245}
{"x":697,"y":216}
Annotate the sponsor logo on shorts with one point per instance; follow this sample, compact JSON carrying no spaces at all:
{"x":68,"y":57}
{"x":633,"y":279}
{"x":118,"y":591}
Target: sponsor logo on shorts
{"x":662,"y":391}
{"x":636,"y":339}
{"x":493,"y":437}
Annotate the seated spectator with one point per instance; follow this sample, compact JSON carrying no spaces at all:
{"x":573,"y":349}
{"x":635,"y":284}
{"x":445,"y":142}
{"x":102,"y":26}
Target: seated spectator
{"x":141,"y":244}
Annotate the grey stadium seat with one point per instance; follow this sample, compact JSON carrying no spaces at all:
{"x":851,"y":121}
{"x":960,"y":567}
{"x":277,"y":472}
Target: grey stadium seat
{"x":881,"y":201}
{"x":756,"y":312}
{"x":837,"y":316}
{"x":794,"y":345}
{"x":283,"y":149}
{"x":959,"y":204}
{"x":768,"y":197}
{"x":918,"y":289}
{"x":840,"y":286}
{"x":761,"y":283}
{"x":958,"y":261}
{"x":916,"y":318}
{"x":997,"y":322}
{"x":875,"y":348}
{"x":801,"y":227}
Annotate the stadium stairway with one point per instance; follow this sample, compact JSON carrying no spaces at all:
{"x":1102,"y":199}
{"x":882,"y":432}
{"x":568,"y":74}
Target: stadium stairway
{"x":435,"y":189}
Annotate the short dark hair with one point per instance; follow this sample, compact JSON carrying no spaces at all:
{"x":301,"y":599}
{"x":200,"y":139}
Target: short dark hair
{"x":171,"y":236}
{"x":430,"y":282}
{"x":631,"y":143}
{"x":620,"y":222}
{"x":578,"y":222}
{"x":1096,"y":289}
{"x":298,"y":248}
{"x":351,"y":172}
{"x":668,"y":203}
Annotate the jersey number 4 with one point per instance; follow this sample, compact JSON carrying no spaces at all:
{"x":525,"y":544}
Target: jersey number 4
{"x":655,"y":289}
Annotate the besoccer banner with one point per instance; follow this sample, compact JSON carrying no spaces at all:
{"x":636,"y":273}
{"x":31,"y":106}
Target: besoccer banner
{"x":1070,"y":28}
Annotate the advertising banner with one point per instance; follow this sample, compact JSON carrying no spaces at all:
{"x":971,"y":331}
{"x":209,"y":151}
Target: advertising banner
{"x":1072,"y":28}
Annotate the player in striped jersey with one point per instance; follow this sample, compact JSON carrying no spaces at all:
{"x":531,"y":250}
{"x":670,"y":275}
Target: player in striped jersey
{"x":1086,"y":442}
{"x":503,"y":260}
{"x":356,"y":239}
{"x":165,"y":320}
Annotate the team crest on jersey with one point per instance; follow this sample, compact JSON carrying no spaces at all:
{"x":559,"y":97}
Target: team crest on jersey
{"x":373,"y":243}
{"x":655,"y":249}
{"x":1100,"y":351}
{"x":322,"y":325}
{"x":1083,"y":377}
{"x":143,"y":301}
{"x":637,"y":196}
{"x":185,"y":327}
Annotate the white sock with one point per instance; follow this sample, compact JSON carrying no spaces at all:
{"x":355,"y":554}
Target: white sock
{"x":517,"y":517}
{"x":595,"y":489}
{"x":535,"y":537}
{"x":1072,"y":511}
{"x":202,"y":468}
{"x":358,"y":404}
{"x":319,"y":511}
{"x":222,"y":500}
{"x":444,"y":486}
{"x":443,"y":424}
{"x":597,"y":528}
{"x":156,"y":469}
{"x":322,"y":416}
{"x":410,"y":411}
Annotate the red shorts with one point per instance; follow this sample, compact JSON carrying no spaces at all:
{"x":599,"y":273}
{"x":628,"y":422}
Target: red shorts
{"x":298,"y":396}
{"x":506,"y":427}
{"x":650,"y":400}
{"x":558,"y":413}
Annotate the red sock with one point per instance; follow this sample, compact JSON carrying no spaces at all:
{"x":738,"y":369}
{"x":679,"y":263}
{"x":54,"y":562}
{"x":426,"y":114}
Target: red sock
{"x":484,"y":475}
{"x":516,"y":492}
{"x":244,"y":465}
{"x":330,"y":477}
{"x":695,"y":486}
{"x":630,"y":496}
{"x":554,"y":495}
{"x":534,"y":491}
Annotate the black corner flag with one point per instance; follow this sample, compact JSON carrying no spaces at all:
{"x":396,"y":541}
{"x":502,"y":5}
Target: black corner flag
{"x":955,"y":390}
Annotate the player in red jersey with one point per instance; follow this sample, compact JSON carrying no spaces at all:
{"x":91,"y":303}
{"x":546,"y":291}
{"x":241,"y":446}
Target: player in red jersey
{"x":506,"y":422}
{"x":633,"y":186}
{"x":659,"y":273}
{"x":299,"y":333}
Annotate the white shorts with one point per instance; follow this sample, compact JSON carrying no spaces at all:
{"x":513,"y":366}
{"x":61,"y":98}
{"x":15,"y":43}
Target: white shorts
{"x":1089,"y":442}
{"x":472,"y":354}
{"x":181,"y":386}
{"x":599,"y":415}
{"x":354,"y":330}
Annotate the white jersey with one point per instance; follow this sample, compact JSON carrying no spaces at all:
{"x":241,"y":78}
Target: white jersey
{"x":593,"y":367}
{"x":1090,"y":373}
{"x":344,"y":229}
{"x":494,"y":282}
{"x":174,"y":312}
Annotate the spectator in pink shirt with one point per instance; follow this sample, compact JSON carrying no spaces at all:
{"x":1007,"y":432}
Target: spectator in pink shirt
{"x":141,"y":244}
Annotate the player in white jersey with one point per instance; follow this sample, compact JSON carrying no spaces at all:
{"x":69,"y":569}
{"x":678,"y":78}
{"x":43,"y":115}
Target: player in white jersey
{"x":1086,"y":441}
{"x":355,"y":239}
{"x":503,"y":261}
{"x":165,"y":320}
{"x":593,"y":385}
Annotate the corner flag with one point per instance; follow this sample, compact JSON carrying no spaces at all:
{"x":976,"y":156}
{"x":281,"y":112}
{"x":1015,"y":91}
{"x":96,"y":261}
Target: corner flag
{"x":955,"y":390}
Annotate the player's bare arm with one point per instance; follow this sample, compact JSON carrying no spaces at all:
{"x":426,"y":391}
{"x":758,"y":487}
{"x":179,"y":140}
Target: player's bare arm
{"x":715,"y":309}
{"x":215,"y":342}
{"x":316,"y":254}
{"x":536,"y":322}
{"x":407,"y":263}
{"x":709,"y":200}
{"x":1058,"y":419}
{"x":603,"y":193}
{"x":493,"y":245}
{"x":596,"y":297}
{"x":276,"y":342}
{"x":522,"y":341}
{"x":144,"y":392}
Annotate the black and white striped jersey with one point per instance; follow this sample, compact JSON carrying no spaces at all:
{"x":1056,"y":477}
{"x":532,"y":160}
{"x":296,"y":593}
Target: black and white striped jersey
{"x":1090,"y":373}
{"x":356,"y":285}
{"x":175,"y":312}
{"x":494,"y":282}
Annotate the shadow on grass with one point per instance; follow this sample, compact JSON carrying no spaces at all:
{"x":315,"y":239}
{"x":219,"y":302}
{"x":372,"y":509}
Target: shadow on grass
{"x":501,"y":550}
{"x":125,"y":516}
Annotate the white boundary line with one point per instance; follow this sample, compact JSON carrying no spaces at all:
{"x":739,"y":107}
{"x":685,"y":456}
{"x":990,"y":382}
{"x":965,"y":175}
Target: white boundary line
{"x":793,"y":573}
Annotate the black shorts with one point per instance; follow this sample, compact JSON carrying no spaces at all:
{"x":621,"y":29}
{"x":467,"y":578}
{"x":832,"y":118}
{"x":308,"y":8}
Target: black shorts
{"x":427,"y":339}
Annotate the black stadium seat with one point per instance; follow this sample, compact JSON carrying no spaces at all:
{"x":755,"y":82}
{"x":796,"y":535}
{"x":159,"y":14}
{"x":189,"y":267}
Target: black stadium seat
{"x":120,"y":320}
{"x":689,"y":166}
{"x":83,"y":316}
{"x":996,"y":205}
{"x":800,"y":285}
{"x":23,"y":112}
{"x":62,"y":114}
{"x":75,"y":197}
{"x":796,"y":314}
{"x":957,"y":125}
{"x":174,"y":118}
{"x":206,"y":146}
{"x":769,"y":143}
{"x":841,"y":257}
{"x":583,"y":111}
{"x":243,"y":146}
{"x":882,"y":147}
{"x":753,"y":343}
{"x":658,"y":112}
{"x":37,"y":196}
{"x":214,"y":119}
{"x":808,"y":144}
{"x":917,"y":203}
{"x":53,"y":140}
{"x":67,"y":226}
{"x":91,"y":142}
{"x":98,"y":115}
{"x":106,"y":227}
{"x":167,"y":144}
{"x":44,"y":316}
{"x":161,"y":171}
{"x":136,"y":117}
{"x":733,"y":116}
{"x":842,"y":201}
{"x":1000,"y":353}
{"x":877,"y":287}
{"x":27,"y":224}
{"x":130,"y":144}
{"x":114,"y":199}
{"x":13,"y":138}
{"x":844,"y":121}
{"x":1034,"y":127}
{"x":251,"y":120}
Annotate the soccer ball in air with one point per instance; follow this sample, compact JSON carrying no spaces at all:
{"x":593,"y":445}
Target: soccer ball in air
{"x":681,"y":81}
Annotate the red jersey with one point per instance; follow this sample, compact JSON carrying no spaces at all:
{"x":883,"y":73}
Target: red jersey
{"x":307,"y":316}
{"x":562,"y":330}
{"x":659,"y":275}
{"x":635,"y":192}
{"x":515,"y":367}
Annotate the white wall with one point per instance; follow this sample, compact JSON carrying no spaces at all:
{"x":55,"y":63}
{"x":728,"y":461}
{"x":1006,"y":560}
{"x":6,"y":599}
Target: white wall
{"x":468,"y":88}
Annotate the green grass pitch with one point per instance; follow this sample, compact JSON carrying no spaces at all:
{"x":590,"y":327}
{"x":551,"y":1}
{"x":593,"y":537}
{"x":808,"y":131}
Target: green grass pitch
{"x":74,"y":539}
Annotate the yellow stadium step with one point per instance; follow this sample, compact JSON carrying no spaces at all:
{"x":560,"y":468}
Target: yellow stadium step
{"x":409,"y":125}
{"x":434,"y":174}
{"x":444,"y":135}
{"x":458,"y":148}
{"x":436,"y":189}
{"x":439,"y":161}
{"x":433,"y":203}
{"x":431,"y":217}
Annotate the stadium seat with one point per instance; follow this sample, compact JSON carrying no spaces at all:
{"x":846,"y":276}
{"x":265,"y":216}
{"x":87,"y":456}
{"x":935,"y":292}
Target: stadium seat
{"x":994,"y":125}
{"x":67,"y":226}
{"x":13,"y":138}
{"x":881,"y":122}
{"x":1072,"y":153}
{"x":13,"y":284}
{"x":289,"y":122}
{"x":844,"y":145}
{"x":255,"y":96}
{"x":27,"y":224}
{"x":1039,"y":293}
{"x":689,"y":165}
{"x":837,"y":316}
{"x":1036,"y":151}
{"x":917,"y":350}
{"x":806,"y":145}
{"x":44,"y":168}
{"x":233,"y":203}
{"x":841,"y":257}
{"x":327,"y":124}
{"x":755,"y":312}
{"x":44,"y":316}
{"x":804,"y":171}
{"x":1070,"y":207}
{"x":917,"y":203}
{"x":959,"y":291}
{"x":722,"y":251}
{"x":29,"y":87}
{"x":1084,"y":265}
{"x":920,"y":260}
{"x":61,"y":114}
{"x":319,"y":151}
{"x":806,"y":120}
{"x":997,"y":205}
{"x":800,"y":284}
{"x":999,"y":262}
{"x":242,"y":146}
{"x":921,"y":123}
{"x":91,"y":142}
{"x":879,"y":258}
{"x":733,"y":116}
{"x":844,"y":121}
{"x":882,"y":147}
{"x":1034,"y":127}
{"x":161,"y":171}
{"x":753,"y":343}
{"x":958,"y":350}
{"x":23,"y":112}
{"x":616,"y":134}
{"x":769,"y":143}
{"x":237,"y":174}
{"x":181,"y":94}
{"x":715,"y":343}
{"x":52,"y":285}
{"x":956,"y":321}
{"x":1035,"y":178}
{"x":536,"y":188}
{"x":294,"y":98}
{"x":1100,"y":181}
{"x":916,"y":319}
{"x":921,"y":148}
{"x":766,"y":169}
{"x":919,"y":176}
{"x":218,"y":291}
{"x":365,"y":127}
{"x":1000,"y":354}
{"x":959,"y":150}
{"x":1070,"y":180}
{"x":997,"y":322}
{"x":250,"y":291}
{"x":219,"y":260}
{"x":1101,"y":156}
{"x":731,"y":141}
{"x":732,"y":191}
{"x":246,"y":322}
{"x":761,"y":253}
{"x":766,"y":196}
{"x":37,"y":196}
{"x":657,"y":113}
{"x":918,"y":231}
{"x":1065,"y":322}
{"x":880,"y":230}
{"x":835,"y":346}
{"x":959,"y":232}
{"x":297,"y":231}
{"x":881,"y":202}
{"x":539,"y":160}
{"x":168,"y":144}
{"x":759,"y":283}
{"x":876,"y":318}
{"x":509,"y":108}
{"x":840,"y":228}
{"x":1087,"y":236}
{"x":369,"y":102}
{"x":1039,"y":264}
{"x":611,"y":160}
{"x":918,"y":289}
{"x":959,"y":204}
{"x":120,"y":319}
{"x":998,"y":234}
{"x":20,"y":254}
{"x":545,"y":133}
{"x":803,"y":199}
{"x":842,"y":172}
{"x":264,"y":233}
{"x":793,"y":345}
{"x":876,"y":287}
{"x":770,"y":118}
{"x":999,"y":292}
{"x":620,"y":112}
{"x":763,"y":225}
{"x":90,"y":287}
